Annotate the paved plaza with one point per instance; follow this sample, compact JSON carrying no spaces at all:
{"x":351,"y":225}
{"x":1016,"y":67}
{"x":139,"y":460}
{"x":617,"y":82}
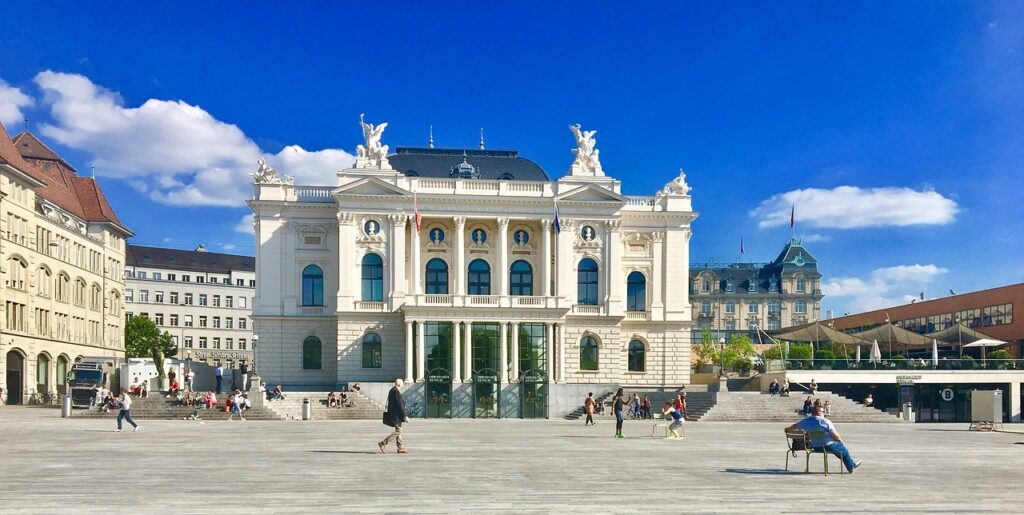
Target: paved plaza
{"x":55,"y":465}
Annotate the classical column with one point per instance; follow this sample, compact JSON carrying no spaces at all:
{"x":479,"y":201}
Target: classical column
{"x":460,"y":255}
{"x":408,"y":352}
{"x":397,"y":259}
{"x":468,"y":351}
{"x":503,"y":374}
{"x":417,"y":272}
{"x":657,"y":277}
{"x":549,"y":341}
{"x":565,"y":278}
{"x":421,"y":358}
{"x":456,"y":355}
{"x":545,"y":255}
{"x":613,"y":244}
{"x":502,"y":257}
{"x":560,"y":335}
{"x":515,"y":351}
{"x":346,"y":242}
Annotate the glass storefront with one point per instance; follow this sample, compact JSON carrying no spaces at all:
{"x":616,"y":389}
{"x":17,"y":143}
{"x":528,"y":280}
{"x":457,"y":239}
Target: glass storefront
{"x":437,"y":343}
{"x":931,"y":402}
{"x":486,"y":361}
{"x":533,"y":362}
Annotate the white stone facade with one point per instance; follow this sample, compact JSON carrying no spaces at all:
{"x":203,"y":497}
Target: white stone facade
{"x":373,"y":212}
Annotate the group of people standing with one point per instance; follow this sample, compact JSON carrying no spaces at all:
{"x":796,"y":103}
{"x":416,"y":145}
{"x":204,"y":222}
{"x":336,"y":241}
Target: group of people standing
{"x":674,"y":410}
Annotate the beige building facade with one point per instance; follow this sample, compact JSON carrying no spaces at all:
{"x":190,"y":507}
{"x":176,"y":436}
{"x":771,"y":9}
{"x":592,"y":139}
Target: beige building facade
{"x":203,"y":299}
{"x":62,"y":253}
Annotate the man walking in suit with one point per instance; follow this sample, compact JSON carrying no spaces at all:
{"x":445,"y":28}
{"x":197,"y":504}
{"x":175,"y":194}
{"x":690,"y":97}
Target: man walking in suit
{"x":394,"y":416}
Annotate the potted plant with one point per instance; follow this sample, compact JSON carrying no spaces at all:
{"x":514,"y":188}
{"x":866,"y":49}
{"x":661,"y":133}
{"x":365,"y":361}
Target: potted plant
{"x":825,"y":359}
{"x":1000,"y":358}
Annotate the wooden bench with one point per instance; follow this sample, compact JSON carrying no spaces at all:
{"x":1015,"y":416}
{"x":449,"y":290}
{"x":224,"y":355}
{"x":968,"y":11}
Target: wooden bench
{"x":798,"y":440}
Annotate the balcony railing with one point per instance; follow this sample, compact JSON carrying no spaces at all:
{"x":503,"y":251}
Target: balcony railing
{"x":311,"y":310}
{"x":481,"y":301}
{"x":905,"y":364}
{"x":638,"y":315}
{"x":586,"y":309}
{"x":370,"y":306}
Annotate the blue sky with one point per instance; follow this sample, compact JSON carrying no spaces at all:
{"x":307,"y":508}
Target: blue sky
{"x":897,"y":129}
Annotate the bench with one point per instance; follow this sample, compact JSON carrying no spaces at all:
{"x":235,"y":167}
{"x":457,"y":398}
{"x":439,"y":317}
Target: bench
{"x":798,"y":440}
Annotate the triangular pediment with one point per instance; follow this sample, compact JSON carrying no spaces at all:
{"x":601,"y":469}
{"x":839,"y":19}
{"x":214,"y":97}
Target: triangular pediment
{"x":591,"y":193}
{"x":370,"y":186}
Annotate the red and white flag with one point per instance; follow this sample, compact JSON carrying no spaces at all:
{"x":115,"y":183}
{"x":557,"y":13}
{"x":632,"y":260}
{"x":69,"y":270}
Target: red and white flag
{"x":417,"y":219}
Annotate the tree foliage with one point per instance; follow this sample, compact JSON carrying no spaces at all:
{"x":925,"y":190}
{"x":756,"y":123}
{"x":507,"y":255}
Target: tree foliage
{"x":706,"y":351}
{"x":739,"y":352}
{"x":142,"y":339}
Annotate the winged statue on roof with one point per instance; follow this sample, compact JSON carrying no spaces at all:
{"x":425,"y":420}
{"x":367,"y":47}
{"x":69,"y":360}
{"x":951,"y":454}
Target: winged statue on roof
{"x":266,"y":174}
{"x":372,"y":154}
{"x":587,"y":155}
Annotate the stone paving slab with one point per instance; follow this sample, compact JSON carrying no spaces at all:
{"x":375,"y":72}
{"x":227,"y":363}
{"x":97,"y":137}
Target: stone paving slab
{"x":54,"y":465}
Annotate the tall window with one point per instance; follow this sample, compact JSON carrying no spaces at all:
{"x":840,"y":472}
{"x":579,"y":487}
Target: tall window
{"x":521,"y":278}
{"x":801,"y":306}
{"x":636,"y":292}
{"x":373,"y":278}
{"x":311,"y":352}
{"x":62,"y":372}
{"x":371,"y":351}
{"x":637,"y":356}
{"x":730,"y":307}
{"x":479,"y":278}
{"x":437,"y":277}
{"x":588,"y":353}
{"x":312,"y":286}
{"x":753,"y":308}
{"x":801,"y":284}
{"x":42,"y":373}
{"x":586,"y":280}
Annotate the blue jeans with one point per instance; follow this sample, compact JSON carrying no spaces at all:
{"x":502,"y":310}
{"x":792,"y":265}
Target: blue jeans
{"x":125,"y":414}
{"x":219,"y":379}
{"x":840,"y":450}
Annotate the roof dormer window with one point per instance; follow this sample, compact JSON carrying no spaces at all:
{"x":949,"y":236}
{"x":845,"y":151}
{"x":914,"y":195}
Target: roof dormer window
{"x":728,"y":285}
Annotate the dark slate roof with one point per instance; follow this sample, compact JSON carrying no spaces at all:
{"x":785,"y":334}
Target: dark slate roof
{"x":792,"y":254}
{"x":189,"y":260}
{"x":490,"y":164}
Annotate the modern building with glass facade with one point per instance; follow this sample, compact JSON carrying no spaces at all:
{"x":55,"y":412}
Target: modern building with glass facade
{"x":202,"y":299}
{"x":61,"y":254}
{"x":489,"y":287}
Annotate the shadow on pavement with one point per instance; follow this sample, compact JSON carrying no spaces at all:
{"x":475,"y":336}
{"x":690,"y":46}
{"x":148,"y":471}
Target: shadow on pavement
{"x":765,"y":472}
{"x":349,"y":452}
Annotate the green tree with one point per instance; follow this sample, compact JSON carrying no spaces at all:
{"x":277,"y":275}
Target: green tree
{"x":706,"y":351}
{"x":774,"y":352}
{"x":142,"y":339}
{"x":739,"y":352}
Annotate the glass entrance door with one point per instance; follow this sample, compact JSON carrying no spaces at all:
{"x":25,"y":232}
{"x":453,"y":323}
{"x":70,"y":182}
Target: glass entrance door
{"x":486,"y":393}
{"x":534,"y":394}
{"x":438,"y":394}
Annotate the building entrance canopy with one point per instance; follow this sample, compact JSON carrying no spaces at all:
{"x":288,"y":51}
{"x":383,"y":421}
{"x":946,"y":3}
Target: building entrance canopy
{"x":889,"y":334}
{"x":817,"y":333}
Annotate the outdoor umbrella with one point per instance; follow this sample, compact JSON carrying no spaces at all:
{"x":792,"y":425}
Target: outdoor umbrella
{"x":983,"y":343}
{"x":858,"y":353}
{"x":935,"y":352}
{"x":876,"y":353}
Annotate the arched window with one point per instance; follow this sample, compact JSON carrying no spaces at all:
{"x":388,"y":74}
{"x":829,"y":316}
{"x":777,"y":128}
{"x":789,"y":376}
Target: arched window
{"x":17,"y":274}
{"x":586,"y":280}
{"x":373,"y":278}
{"x":437,"y":277}
{"x":521,"y":281}
{"x":636,"y":292}
{"x":312,"y":286}
{"x":42,"y":373}
{"x":62,"y":372}
{"x":79,"y":292}
{"x":372,"y":356}
{"x":43,"y":282}
{"x":479,"y":278}
{"x":588,"y":353}
{"x":311,"y":352}
{"x":637,"y":356}
{"x":96,"y":298}
{"x":62,"y":286}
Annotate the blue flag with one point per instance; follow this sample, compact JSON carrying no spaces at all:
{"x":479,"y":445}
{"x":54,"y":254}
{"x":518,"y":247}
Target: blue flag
{"x":558,"y":225}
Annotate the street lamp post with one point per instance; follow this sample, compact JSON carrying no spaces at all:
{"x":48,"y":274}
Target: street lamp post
{"x":723,"y":382}
{"x":255,"y":341}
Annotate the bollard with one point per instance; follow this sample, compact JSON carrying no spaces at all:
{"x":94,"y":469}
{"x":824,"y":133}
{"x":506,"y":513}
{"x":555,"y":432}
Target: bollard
{"x":908,"y":412}
{"x":307,"y":409}
{"x":65,"y":406}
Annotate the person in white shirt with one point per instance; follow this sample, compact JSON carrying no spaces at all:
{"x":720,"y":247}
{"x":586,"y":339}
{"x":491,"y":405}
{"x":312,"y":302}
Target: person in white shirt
{"x":189,"y":376}
{"x":125,"y":412}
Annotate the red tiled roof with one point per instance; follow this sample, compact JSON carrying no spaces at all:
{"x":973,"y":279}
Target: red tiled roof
{"x":80,"y":196}
{"x":9,"y":155}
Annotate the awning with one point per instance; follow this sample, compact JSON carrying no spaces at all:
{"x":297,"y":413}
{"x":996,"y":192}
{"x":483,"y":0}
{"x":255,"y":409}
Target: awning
{"x":955,"y":335}
{"x":889,"y":334}
{"x":817,"y":332}
{"x":985,"y":342}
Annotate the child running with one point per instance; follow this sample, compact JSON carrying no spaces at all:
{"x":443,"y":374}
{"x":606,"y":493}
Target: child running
{"x":676,"y":417}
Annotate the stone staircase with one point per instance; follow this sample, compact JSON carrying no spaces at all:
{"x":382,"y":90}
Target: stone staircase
{"x":761,"y":407}
{"x":157,"y":407}
{"x":358,"y":407}
{"x":580,"y":412}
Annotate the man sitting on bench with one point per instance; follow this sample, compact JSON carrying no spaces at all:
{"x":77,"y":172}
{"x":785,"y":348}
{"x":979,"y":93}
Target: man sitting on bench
{"x":832,"y":442}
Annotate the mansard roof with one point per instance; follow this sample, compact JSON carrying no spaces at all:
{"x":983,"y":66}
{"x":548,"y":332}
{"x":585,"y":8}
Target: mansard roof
{"x":80,"y":196}
{"x":445,"y":163}
{"x":189,"y":260}
{"x":795,"y":258}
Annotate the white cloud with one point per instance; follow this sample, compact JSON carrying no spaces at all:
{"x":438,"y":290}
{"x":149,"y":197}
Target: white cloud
{"x":849,"y":207}
{"x":182,"y":154}
{"x":168,"y":240}
{"x":12,"y":101}
{"x":815,"y":238}
{"x":227,"y":246}
{"x":885,"y":287}
{"x":244,"y":225}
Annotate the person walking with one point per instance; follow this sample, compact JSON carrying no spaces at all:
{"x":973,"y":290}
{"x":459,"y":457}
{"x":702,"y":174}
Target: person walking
{"x":588,"y":407}
{"x":394,"y":417}
{"x":218,"y":373}
{"x":619,"y":402}
{"x":125,"y":411}
{"x":236,"y":405}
